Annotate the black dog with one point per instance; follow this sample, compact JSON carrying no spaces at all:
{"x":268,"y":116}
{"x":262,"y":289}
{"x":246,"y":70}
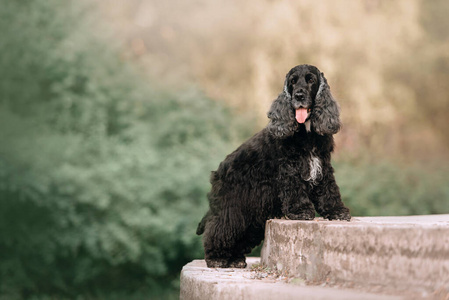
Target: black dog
{"x":284,"y":170}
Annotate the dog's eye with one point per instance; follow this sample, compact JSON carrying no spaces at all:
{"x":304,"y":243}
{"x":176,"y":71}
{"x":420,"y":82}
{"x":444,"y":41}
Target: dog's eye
{"x":294,"y":80}
{"x":310,"y":78}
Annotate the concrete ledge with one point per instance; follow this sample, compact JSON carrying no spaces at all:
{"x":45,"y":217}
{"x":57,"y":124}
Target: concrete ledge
{"x":394,"y":253}
{"x":199,"y":282}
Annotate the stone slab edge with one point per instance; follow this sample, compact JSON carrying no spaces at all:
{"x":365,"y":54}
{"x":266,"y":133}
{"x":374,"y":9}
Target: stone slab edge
{"x":201,"y":283}
{"x":396,"y":253}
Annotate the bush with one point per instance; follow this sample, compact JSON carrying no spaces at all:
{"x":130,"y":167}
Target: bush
{"x":385,"y":188}
{"x":102,"y":176}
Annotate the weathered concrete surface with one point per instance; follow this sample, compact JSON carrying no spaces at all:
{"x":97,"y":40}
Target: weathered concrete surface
{"x":394,"y":253}
{"x":201,"y":283}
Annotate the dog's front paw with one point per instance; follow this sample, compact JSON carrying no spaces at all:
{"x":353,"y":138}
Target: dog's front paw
{"x":339,"y":214}
{"x":306,"y":215}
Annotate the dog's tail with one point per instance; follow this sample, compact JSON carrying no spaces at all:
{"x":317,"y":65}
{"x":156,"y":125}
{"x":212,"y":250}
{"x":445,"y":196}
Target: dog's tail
{"x":202,"y":224}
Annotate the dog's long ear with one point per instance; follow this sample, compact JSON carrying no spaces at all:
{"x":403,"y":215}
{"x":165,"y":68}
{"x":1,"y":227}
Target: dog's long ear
{"x":326,"y":112}
{"x":282,"y":117}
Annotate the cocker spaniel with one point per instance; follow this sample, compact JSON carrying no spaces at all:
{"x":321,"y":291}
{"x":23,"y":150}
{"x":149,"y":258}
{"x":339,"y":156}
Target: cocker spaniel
{"x":283,"y":170}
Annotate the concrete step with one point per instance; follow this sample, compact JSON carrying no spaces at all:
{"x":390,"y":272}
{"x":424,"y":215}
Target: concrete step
{"x":367,"y":258}
{"x":201,"y":283}
{"x":393,"y":254}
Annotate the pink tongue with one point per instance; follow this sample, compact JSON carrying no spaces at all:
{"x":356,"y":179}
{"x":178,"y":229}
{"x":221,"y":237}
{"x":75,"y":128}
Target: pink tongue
{"x":301,"y":115}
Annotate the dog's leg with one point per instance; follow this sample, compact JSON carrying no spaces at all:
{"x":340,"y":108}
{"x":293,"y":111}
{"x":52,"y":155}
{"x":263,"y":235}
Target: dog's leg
{"x":327,"y":199}
{"x":253,"y":236}
{"x":222,"y":234}
{"x":296,"y":204}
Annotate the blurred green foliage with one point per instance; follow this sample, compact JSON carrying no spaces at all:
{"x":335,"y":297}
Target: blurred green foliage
{"x":103,"y":176}
{"x":385,"y":188}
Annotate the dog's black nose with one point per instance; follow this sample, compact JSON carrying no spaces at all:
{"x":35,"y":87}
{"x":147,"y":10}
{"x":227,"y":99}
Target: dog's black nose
{"x":300,"y":96}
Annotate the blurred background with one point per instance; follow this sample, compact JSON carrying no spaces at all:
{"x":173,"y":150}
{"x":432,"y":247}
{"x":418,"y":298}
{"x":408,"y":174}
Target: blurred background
{"x":113,"y":113}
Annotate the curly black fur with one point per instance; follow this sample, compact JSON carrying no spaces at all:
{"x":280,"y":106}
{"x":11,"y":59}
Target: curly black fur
{"x":284,"y":170}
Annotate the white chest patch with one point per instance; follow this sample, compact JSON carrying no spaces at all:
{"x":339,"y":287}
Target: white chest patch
{"x":315,"y":169}
{"x":307,"y":124}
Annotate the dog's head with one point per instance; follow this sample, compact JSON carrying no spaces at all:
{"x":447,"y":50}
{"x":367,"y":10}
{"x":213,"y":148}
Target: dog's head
{"x":305,"y":101}
{"x":301,"y":85}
